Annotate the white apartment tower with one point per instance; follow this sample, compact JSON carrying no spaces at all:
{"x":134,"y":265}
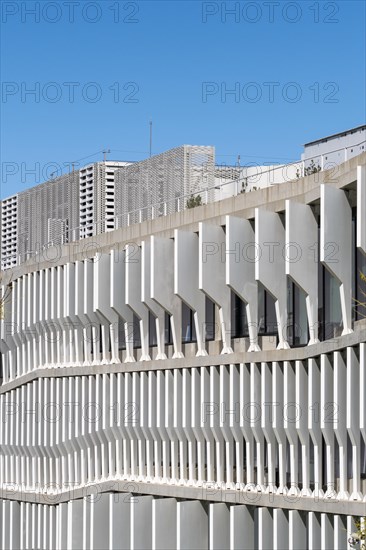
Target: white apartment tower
{"x":9,"y":232}
{"x":97,"y":197}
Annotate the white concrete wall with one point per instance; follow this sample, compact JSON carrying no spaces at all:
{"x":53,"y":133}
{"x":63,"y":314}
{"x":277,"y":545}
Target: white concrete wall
{"x":281,"y":432}
{"x":336,"y":150}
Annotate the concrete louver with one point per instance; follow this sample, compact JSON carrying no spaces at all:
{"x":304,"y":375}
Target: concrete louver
{"x":205,"y":445}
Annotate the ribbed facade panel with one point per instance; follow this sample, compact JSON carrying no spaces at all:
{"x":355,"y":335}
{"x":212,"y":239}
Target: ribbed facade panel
{"x":124,"y":521}
{"x":120,"y":431}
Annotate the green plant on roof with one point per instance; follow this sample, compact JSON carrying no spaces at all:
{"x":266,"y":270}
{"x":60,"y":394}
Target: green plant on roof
{"x":192,"y":202}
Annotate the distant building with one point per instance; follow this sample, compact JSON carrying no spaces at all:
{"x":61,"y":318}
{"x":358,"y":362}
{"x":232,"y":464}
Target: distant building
{"x":104,"y":196}
{"x":97,"y":198}
{"x":335,"y":149}
{"x":9,"y":232}
{"x":162,"y":184}
{"x":45,"y":214}
{"x":231,"y":181}
{"x":68,"y":208}
{"x":100,"y":197}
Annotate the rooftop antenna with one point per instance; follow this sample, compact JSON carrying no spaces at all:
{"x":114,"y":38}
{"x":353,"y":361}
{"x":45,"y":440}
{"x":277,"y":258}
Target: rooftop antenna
{"x":150,"y":136}
{"x":105,"y":152}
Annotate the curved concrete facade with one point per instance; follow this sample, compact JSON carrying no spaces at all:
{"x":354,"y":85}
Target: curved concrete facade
{"x":108,"y":441}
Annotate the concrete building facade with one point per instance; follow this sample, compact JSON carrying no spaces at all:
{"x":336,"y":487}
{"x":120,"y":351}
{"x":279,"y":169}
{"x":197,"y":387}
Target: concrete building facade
{"x":192,"y":381}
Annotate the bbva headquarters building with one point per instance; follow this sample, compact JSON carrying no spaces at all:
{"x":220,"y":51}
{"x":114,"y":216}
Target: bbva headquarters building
{"x":192,"y":381}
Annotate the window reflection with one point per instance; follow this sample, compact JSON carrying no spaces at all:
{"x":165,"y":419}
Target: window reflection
{"x":267,"y":321}
{"x":188,"y":326}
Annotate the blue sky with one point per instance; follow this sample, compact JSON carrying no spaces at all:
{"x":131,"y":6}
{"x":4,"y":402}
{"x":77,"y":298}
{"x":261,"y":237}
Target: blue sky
{"x":296,"y":70}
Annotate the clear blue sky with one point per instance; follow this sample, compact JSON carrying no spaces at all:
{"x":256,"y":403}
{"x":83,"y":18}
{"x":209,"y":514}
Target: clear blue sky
{"x":310,"y":51}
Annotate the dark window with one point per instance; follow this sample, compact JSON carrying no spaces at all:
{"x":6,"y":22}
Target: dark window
{"x":168,"y":330}
{"x":297,"y":320}
{"x":136,"y":332}
{"x":239,"y":324}
{"x":267,"y":319}
{"x":329,"y":313}
{"x":210,"y":326}
{"x":329,"y":302}
{"x":188,"y":326}
{"x":121,"y":334}
{"x":153,"y":341}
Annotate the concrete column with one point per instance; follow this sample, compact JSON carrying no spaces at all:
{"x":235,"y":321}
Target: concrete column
{"x":265,"y":529}
{"x":141,"y":523}
{"x":219,"y":526}
{"x":75,"y":522}
{"x":241,"y":255}
{"x":241,"y":527}
{"x":186,"y":283}
{"x":281,"y":529}
{"x":133,"y":295}
{"x":270,"y":268}
{"x":162,"y":287}
{"x":301,"y":255}
{"x":327,"y":532}
{"x":297,"y":531}
{"x":192,"y":526}
{"x":336,"y":245}
{"x":120,"y":521}
{"x":212,"y":260}
{"x":164,"y":523}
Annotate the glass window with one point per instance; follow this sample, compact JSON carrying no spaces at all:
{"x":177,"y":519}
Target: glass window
{"x":261,"y":309}
{"x":121,"y":334}
{"x":330,"y":312}
{"x":210,"y":326}
{"x":329,"y":302}
{"x":297,"y":320}
{"x":271,"y":318}
{"x":136,"y":332}
{"x":239,"y":324}
{"x":168,"y":330}
{"x":267,"y":319}
{"x":153,"y":341}
{"x":188,"y":326}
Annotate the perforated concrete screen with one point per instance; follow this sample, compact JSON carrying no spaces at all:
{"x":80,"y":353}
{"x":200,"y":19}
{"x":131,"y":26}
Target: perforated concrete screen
{"x":162,"y":184}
